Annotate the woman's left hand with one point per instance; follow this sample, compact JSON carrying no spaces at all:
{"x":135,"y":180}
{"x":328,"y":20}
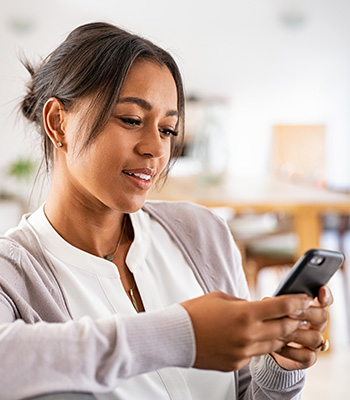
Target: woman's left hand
{"x":306,"y":342}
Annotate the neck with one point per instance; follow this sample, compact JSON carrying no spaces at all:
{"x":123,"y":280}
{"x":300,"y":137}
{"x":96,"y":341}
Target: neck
{"x":90,"y":227}
{"x":111,"y":256}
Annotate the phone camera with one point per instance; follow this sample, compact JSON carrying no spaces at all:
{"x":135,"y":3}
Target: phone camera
{"x":317,"y":260}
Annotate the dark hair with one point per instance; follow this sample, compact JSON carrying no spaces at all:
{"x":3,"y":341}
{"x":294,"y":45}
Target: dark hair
{"x":94,"y":60}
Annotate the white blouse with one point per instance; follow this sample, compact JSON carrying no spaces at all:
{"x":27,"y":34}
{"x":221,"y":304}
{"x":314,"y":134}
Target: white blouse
{"x":92,"y":287}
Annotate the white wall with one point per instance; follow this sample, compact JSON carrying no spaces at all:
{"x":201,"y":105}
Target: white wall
{"x":239,"y":49}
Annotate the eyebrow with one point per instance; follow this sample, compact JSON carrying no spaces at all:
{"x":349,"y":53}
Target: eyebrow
{"x":145,"y":104}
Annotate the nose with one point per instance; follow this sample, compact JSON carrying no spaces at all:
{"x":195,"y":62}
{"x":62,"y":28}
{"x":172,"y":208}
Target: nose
{"x":151,"y":143}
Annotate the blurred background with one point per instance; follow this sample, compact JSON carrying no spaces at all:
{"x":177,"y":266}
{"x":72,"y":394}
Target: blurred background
{"x":267,"y":135}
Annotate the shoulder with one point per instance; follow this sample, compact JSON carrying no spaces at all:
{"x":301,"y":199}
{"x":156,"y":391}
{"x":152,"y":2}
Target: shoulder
{"x":22,"y":252}
{"x":27,"y":279}
{"x":206,"y":239}
{"x":20,"y":241}
{"x":11,"y":249}
{"x":181,"y":211}
{"x":169,"y":206}
{"x":198,"y":224}
{"x":19,"y":255}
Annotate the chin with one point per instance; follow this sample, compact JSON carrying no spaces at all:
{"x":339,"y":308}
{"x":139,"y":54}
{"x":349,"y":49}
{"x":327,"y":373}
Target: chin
{"x":135,"y":205}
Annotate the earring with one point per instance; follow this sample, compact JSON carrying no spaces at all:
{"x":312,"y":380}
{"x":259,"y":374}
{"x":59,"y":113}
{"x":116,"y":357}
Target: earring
{"x":59,"y":144}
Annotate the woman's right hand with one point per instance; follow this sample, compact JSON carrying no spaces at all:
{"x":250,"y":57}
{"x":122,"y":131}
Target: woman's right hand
{"x":229,"y":331}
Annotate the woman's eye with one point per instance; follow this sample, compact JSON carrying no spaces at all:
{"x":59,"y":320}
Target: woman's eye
{"x":169,"y":132}
{"x":130,"y":121}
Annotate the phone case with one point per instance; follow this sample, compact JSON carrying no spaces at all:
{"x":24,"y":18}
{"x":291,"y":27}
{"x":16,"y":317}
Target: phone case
{"x":313,"y":270}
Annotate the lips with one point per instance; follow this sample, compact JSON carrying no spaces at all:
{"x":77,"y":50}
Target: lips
{"x":144,"y":173}
{"x":142,"y":178}
{"x":145,"y":177}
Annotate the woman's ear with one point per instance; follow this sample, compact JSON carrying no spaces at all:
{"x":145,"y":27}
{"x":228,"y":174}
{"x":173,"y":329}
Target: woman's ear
{"x":54,"y":121}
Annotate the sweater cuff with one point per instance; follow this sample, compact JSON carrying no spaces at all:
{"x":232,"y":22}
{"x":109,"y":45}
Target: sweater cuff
{"x":269,"y":375}
{"x":160,"y":339}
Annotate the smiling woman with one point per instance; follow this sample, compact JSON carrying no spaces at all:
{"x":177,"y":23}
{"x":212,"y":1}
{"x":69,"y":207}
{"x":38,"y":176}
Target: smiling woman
{"x":107,"y":293}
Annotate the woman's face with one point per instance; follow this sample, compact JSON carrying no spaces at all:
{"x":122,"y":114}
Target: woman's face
{"x":119,"y":167}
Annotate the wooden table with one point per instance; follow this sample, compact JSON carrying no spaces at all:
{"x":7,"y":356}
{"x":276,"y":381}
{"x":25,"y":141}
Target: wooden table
{"x":303,"y":203}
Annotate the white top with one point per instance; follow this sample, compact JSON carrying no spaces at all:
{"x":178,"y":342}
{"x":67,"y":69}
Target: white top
{"x":93,"y":287}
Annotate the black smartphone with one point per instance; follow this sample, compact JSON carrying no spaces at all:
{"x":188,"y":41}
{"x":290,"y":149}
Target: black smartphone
{"x":313,"y":270}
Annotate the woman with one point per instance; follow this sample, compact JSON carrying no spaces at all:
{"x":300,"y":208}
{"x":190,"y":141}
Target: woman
{"x":78,"y":273}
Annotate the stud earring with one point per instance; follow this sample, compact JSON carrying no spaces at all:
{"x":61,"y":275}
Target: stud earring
{"x":59,"y":144}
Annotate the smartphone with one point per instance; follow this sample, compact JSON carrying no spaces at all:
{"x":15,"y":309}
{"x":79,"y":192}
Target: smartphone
{"x":313,"y":270}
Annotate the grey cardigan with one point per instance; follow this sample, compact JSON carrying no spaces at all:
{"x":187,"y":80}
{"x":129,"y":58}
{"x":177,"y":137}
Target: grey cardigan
{"x":42,"y":350}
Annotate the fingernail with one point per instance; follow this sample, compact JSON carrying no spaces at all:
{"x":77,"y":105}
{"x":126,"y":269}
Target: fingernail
{"x":296,"y":313}
{"x":327,"y":295}
{"x":302,"y":323}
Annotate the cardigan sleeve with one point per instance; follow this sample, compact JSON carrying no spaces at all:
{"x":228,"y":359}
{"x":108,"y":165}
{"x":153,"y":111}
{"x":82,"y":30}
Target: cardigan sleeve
{"x":90,"y":355}
{"x":264,"y":379}
{"x":41,"y":344}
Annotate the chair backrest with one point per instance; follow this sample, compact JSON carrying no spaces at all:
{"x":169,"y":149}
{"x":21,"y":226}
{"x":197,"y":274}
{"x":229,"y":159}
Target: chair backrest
{"x":299,"y":153}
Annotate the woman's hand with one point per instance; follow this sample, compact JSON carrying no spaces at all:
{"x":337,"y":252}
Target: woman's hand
{"x":229,"y":331}
{"x":307,"y":341}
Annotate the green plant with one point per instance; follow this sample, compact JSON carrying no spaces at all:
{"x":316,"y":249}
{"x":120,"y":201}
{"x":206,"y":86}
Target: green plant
{"x":22,"y":169}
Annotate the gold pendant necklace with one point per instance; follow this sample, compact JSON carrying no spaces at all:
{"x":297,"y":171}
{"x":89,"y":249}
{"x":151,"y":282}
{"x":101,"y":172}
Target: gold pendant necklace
{"x":110,"y":257}
{"x":133,"y":299}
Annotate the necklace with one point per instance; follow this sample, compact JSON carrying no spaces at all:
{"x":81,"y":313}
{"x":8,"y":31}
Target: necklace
{"x":110,"y":257}
{"x":132,"y":297}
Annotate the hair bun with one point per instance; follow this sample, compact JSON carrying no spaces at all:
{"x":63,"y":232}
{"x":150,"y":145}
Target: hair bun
{"x":28,"y":105}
